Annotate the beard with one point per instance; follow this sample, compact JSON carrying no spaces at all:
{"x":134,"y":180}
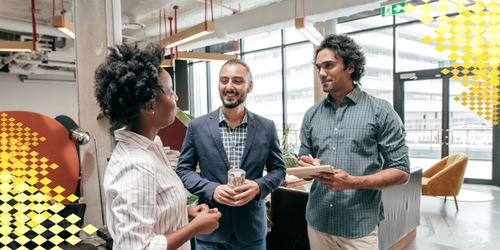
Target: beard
{"x":235,"y":104}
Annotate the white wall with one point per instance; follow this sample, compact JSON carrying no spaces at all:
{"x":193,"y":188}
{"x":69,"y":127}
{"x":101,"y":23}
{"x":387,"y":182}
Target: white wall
{"x":48,"y":99}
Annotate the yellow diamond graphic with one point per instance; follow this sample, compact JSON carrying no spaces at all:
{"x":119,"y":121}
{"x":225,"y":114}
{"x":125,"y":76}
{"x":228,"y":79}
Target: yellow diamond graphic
{"x":90,"y":229}
{"x":22,"y":239}
{"x":73,"y":218}
{"x":426,"y":8}
{"x":56,"y":229}
{"x":73,"y":240}
{"x":426,"y":19}
{"x":39,"y":229}
{"x":409,"y":8}
{"x":39,"y":240}
{"x":73,"y":229}
{"x":56,"y":240}
{"x":426,"y":39}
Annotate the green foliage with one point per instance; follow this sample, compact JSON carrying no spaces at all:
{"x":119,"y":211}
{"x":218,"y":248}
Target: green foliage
{"x":113,"y":128}
{"x":192,"y":200}
{"x":288,"y":147}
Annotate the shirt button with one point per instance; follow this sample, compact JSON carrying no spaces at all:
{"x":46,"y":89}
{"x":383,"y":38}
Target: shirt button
{"x":233,"y":149}
{"x":335,"y":129}
{"x":331,"y":205}
{"x":333,"y":148}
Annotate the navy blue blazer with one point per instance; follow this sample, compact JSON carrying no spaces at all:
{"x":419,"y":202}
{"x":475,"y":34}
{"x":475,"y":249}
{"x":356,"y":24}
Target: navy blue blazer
{"x":203,"y":144}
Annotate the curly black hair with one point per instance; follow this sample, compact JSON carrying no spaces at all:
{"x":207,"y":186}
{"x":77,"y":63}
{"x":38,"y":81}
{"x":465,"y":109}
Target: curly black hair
{"x":349,"y":51}
{"x":128,"y":81}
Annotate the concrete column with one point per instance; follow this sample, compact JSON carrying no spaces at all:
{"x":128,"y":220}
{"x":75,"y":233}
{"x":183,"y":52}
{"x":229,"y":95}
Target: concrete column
{"x":330,"y":28}
{"x":95,"y":30}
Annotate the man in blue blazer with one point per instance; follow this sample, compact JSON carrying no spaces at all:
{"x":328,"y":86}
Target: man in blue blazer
{"x":233,"y":137}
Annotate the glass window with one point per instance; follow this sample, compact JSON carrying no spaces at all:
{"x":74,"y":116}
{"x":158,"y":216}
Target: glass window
{"x":446,"y":6}
{"x":215,"y":68}
{"x":199,"y":89}
{"x":413,"y":54}
{"x":292,"y":35}
{"x":470,"y":134}
{"x":377,"y":46}
{"x":265,"y":99}
{"x":300,"y":87}
{"x":261,"y":41}
{"x":364,"y":23}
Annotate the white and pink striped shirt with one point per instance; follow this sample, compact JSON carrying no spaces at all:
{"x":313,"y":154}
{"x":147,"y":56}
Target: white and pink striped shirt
{"x":145,"y":198}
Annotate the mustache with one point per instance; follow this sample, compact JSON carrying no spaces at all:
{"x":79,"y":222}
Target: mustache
{"x":229,"y":92}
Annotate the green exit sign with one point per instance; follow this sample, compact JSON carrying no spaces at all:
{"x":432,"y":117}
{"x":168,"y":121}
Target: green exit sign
{"x":394,"y":9}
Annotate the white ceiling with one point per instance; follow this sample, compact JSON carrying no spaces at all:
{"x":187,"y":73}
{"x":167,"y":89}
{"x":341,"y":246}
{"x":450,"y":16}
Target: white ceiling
{"x":252,"y":17}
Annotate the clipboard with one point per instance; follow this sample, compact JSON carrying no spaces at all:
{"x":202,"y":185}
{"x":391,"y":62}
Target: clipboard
{"x":305,"y":172}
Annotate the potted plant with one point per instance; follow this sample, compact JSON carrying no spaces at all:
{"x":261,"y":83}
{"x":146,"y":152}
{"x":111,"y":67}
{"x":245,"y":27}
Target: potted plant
{"x":288,"y":147}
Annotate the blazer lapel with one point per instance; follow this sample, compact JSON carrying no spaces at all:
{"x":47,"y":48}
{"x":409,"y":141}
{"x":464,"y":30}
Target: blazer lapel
{"x":252,"y":127}
{"x":213,"y":126}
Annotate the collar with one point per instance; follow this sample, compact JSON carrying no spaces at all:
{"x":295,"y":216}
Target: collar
{"x":355,"y":95}
{"x":222,"y":117}
{"x":136,"y":139}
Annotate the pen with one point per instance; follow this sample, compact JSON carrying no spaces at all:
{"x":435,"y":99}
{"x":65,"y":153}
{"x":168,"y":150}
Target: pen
{"x":310,"y":155}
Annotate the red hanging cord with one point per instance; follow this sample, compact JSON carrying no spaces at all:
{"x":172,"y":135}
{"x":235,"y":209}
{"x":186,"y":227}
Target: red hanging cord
{"x":176,"y":49}
{"x":303,"y":8}
{"x":212,"y":7}
{"x":236,"y":48}
{"x":62,"y":7}
{"x":159,"y":21}
{"x":165,"y":22}
{"x":53,"y":7}
{"x":33,"y":20}
{"x":171,"y":49}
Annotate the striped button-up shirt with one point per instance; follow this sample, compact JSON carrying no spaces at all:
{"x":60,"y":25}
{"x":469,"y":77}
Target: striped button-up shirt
{"x":145,"y":198}
{"x":362,"y":137}
{"x":233,"y":139}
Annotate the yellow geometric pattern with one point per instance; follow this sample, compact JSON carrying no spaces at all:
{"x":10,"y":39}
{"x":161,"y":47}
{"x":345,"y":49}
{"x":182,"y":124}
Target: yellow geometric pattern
{"x":22,"y":206}
{"x":474,"y":38}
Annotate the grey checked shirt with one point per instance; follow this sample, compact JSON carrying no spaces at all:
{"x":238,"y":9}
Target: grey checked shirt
{"x":233,"y":139}
{"x":362,"y":137}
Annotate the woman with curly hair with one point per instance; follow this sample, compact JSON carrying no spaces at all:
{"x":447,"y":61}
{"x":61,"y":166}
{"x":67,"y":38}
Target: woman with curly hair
{"x":146,"y":204}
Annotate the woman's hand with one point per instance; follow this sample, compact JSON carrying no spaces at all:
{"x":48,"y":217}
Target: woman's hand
{"x":194,"y":211}
{"x":207,"y":220}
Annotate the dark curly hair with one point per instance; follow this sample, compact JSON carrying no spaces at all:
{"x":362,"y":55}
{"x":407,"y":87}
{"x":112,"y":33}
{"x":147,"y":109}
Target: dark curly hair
{"x":128,"y":81}
{"x":349,"y":51}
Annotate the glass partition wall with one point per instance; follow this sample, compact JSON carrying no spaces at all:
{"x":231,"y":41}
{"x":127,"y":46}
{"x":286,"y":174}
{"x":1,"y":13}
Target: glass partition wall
{"x":437,"y":125}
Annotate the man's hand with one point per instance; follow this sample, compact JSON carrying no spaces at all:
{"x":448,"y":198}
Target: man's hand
{"x":223,"y":194}
{"x":338,"y":181}
{"x":247,"y":192}
{"x":306,"y":161}
{"x":194,"y":211}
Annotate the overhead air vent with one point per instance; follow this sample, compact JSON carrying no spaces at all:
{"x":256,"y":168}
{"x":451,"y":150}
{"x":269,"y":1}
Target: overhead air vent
{"x":133,"y":23}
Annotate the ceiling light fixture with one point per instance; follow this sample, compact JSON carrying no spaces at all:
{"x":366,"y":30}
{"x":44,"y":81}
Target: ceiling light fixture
{"x":167,"y":63}
{"x":306,"y":28}
{"x":194,"y":32}
{"x":203,"y":56}
{"x":17,"y":46}
{"x":61,"y":23}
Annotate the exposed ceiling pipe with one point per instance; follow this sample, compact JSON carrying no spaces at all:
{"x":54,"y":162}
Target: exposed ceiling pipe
{"x":39,"y":71}
{"x":9,"y":59}
{"x":266,"y":19}
{"x":49,"y":63}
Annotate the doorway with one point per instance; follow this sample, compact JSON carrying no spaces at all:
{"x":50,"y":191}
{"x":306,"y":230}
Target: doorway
{"x":438,"y":126}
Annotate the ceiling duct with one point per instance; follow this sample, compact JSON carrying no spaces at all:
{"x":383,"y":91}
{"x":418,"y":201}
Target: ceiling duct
{"x":133,"y":23}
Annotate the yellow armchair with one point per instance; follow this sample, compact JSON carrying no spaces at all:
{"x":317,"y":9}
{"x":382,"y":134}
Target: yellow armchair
{"x":445,"y":178}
